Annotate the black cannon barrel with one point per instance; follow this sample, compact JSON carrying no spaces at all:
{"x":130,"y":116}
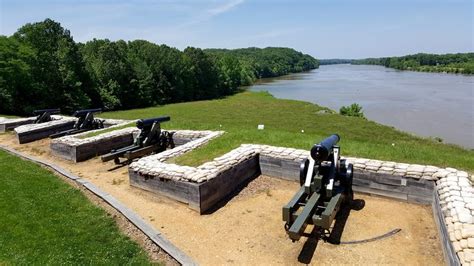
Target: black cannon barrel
{"x":321,"y":151}
{"x":146,"y":122}
{"x":51,"y":111}
{"x":85,"y":111}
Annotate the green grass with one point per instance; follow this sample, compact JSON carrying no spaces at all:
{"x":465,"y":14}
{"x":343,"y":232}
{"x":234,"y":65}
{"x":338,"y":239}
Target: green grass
{"x":43,"y":220}
{"x":9,"y":116}
{"x":95,"y":133}
{"x":284,"y":120}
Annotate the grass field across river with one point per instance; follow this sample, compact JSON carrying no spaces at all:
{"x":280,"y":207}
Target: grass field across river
{"x":45,"y":221}
{"x":295,"y":124}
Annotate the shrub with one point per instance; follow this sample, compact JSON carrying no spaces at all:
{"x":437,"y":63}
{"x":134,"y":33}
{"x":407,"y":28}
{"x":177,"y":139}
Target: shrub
{"x":352,"y":110}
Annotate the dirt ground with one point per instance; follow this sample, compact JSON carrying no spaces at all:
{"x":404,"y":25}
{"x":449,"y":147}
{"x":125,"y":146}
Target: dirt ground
{"x":248,"y":229}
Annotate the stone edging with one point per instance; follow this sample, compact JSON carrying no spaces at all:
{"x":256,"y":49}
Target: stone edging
{"x":134,"y":218}
{"x":455,"y":188}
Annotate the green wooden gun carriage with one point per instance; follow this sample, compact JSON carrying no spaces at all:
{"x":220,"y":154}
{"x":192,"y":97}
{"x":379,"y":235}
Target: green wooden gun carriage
{"x":326,"y":184}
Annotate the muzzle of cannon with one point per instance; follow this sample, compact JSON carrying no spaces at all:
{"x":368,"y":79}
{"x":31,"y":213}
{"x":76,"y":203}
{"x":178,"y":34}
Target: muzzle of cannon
{"x":151,"y":139}
{"x":326,"y":184}
{"x":321,"y":151}
{"x":85,"y":122}
{"x":85,"y":112}
{"x":44,"y":115}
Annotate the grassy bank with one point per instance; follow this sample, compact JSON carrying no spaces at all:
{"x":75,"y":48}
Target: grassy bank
{"x":8,"y":116}
{"x":295,"y":124}
{"x":45,"y":221}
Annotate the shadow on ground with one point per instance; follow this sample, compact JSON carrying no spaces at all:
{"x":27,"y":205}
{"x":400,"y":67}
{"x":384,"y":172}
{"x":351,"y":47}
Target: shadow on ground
{"x":309,"y":247}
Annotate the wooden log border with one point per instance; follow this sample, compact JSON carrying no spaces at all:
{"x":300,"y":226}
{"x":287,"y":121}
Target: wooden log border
{"x":83,"y":152}
{"x":32,"y":135}
{"x":7,"y":124}
{"x":153,"y":234}
{"x":450,"y":257}
{"x":86,"y":151}
{"x":200,"y":197}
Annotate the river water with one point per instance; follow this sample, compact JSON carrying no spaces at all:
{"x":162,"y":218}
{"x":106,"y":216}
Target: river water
{"x":426,"y":104}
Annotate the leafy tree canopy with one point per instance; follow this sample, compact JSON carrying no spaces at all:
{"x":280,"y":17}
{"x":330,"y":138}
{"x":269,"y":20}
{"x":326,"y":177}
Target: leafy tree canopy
{"x":41,"y":66}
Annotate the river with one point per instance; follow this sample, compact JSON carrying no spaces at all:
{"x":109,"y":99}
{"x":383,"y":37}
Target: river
{"x":426,"y":104}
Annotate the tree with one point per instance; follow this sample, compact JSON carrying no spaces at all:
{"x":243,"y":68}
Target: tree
{"x":58,"y":71}
{"x":16,"y":81}
{"x":42,"y":67}
{"x":204,"y":77}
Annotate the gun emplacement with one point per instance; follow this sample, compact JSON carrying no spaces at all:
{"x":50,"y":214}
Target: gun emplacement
{"x":44,"y":115}
{"x":85,"y":122}
{"x":150,"y":139}
{"x":326,"y":183}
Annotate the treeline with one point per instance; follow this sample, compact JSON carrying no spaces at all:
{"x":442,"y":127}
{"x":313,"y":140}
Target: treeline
{"x":334,"y":61}
{"x":268,"y":62}
{"x":449,"y":63}
{"x":41,"y":66}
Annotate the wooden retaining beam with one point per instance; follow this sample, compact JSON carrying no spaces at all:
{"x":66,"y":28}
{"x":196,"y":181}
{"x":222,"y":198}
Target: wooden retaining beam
{"x":402,"y":188}
{"x":10,"y":124}
{"x":397,"y":187}
{"x":85,"y":151}
{"x":449,"y":253}
{"x":200,"y":197}
{"x":281,"y":168}
{"x":44,"y":132}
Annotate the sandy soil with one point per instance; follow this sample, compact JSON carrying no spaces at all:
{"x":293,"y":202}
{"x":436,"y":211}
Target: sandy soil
{"x":248,"y":229}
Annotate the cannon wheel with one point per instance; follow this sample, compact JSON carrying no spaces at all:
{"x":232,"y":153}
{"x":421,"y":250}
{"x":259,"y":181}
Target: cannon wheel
{"x":303,"y":170}
{"x":348,"y":189}
{"x":286,"y":226}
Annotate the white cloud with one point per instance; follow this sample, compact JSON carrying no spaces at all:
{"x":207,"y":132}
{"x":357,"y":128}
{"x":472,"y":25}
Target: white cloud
{"x":224,"y":8}
{"x":209,"y":13}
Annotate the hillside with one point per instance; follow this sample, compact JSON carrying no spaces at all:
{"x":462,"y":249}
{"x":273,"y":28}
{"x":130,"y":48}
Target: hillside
{"x":296,"y":124}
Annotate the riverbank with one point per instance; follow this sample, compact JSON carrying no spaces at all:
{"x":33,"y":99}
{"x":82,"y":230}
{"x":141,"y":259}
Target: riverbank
{"x":296,"y":124}
{"x":447,"y":69}
{"x":460,"y":63}
{"x":425,"y":104}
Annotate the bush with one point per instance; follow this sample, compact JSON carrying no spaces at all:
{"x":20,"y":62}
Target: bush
{"x":352,"y":110}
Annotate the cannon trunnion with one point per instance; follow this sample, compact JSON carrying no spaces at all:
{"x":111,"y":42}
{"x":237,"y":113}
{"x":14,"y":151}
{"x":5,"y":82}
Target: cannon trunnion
{"x":150,"y":139}
{"x":326,"y":184}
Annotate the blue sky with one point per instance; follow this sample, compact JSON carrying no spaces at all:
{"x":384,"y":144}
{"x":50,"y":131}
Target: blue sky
{"x":324,"y":29}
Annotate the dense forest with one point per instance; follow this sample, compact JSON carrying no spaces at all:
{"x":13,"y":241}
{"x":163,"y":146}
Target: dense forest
{"x":450,"y":63}
{"x":268,"y":62}
{"x":41,"y":66}
{"x":334,"y":61}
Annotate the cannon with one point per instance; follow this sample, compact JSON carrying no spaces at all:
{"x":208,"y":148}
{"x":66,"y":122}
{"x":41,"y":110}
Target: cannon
{"x":44,"y":115}
{"x":85,"y":122}
{"x":151,"y":139}
{"x":326,"y":184}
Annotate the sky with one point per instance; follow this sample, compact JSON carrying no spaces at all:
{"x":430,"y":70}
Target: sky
{"x":321,"y":28}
